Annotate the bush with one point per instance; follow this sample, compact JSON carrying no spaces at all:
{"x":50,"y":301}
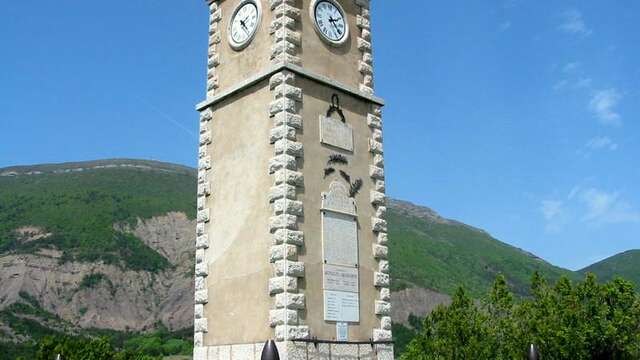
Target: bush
{"x":90,"y":281}
{"x":82,"y":349}
{"x":161,"y":342}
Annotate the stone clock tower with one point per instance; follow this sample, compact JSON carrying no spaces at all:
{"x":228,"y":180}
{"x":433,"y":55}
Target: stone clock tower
{"x":291,"y":234}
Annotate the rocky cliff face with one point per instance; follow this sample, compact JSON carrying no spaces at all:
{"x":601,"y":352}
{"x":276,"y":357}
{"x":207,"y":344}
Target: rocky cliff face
{"x":121,"y":299}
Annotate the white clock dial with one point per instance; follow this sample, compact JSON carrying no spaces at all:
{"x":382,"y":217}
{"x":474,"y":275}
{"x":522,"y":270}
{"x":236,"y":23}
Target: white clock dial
{"x":330,"y":21}
{"x":244,"y":24}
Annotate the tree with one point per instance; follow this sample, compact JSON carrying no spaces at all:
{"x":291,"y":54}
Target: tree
{"x":454,"y":332}
{"x":566,"y":321}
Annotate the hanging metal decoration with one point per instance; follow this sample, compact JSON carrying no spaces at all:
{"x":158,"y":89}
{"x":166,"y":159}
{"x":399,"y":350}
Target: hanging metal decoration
{"x":335,"y":108}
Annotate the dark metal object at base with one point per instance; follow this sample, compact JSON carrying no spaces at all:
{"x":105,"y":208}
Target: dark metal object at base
{"x":316,"y":341}
{"x":534,"y":354}
{"x":270,"y":351}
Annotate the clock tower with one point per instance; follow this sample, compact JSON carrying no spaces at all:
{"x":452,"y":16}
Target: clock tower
{"x":291,"y":222}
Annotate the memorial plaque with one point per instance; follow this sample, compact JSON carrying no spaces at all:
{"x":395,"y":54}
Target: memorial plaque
{"x":336,"y":133}
{"x":341,"y":306}
{"x":341,"y":278}
{"x":340,"y":250}
{"x":339,"y":239}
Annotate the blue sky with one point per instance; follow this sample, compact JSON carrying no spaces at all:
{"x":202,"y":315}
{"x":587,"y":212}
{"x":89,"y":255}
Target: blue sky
{"x":519,"y":117}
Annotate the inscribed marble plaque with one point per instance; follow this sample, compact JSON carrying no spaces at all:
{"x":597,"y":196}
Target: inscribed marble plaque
{"x":341,"y":278}
{"x":341,"y":306}
{"x":339,"y":239}
{"x":336,"y":133}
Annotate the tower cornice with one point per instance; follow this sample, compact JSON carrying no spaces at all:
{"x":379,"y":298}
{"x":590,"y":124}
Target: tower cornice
{"x":266,"y":74}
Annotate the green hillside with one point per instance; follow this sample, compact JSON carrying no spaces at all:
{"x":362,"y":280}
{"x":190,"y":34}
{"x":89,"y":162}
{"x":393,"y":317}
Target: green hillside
{"x":439,"y":254}
{"x":625,"y":265}
{"x":76,"y":205}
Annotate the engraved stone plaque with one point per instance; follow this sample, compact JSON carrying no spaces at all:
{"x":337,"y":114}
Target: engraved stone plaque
{"x":336,"y":133}
{"x":341,"y":306}
{"x":339,"y":239}
{"x":340,"y":250}
{"x":341,"y":278}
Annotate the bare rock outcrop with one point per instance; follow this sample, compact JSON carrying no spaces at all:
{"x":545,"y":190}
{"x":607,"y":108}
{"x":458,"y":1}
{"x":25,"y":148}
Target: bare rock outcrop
{"x":124,"y":299}
{"x":417,"y":301}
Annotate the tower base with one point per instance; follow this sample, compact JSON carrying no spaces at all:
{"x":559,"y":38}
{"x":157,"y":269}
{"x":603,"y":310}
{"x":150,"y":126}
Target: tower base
{"x":296,"y":351}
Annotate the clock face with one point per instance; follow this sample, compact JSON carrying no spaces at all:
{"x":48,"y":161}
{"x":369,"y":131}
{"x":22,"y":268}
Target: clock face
{"x":244,"y":24}
{"x":330,"y":21}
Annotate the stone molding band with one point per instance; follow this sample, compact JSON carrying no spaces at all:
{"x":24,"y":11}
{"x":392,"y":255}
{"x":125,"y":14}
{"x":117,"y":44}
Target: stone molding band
{"x":294,"y":69}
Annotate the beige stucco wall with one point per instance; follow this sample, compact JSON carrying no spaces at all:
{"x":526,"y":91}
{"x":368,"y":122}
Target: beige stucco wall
{"x":337,"y":63}
{"x":236,"y":66}
{"x":316,"y":102}
{"x":239,"y":269}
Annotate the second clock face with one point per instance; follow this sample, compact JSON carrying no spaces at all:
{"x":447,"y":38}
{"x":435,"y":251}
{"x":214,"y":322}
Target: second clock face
{"x":244,"y":24}
{"x":330,"y":21}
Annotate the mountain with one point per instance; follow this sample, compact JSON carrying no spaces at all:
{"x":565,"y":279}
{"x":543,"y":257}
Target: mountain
{"x":625,"y":265}
{"x":96,"y":248}
{"x":106,"y":247}
{"x":428,"y":251}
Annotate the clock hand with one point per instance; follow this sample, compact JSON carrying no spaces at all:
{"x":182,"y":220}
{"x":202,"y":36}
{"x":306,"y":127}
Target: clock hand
{"x":333,"y":22}
{"x":244,"y":27}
